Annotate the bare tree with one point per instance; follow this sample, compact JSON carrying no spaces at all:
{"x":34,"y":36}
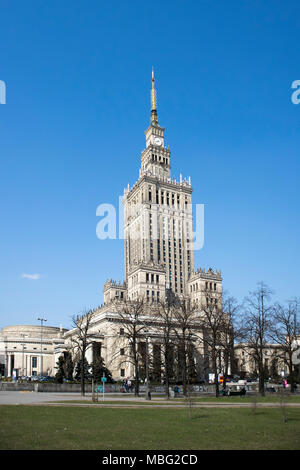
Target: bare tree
{"x":164,"y":313}
{"x":257,"y":328}
{"x":216,"y":332}
{"x":130,"y":317}
{"x":81,"y":340}
{"x":284,"y":334}
{"x":231,"y":329}
{"x":184,"y":328}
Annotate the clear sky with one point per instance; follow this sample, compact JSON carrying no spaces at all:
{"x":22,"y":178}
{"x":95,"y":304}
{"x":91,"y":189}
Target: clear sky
{"x":78,"y":79}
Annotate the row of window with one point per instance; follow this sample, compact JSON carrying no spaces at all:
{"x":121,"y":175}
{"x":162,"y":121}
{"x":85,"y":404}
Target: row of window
{"x":15,"y":347}
{"x":153,"y":296}
{"x":158,"y":158}
{"x":152,"y":278}
{"x":208,"y":286}
{"x":170,"y":198}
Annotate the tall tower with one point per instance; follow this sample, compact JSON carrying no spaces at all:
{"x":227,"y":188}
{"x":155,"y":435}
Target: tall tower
{"x":155,"y":158}
{"x":158,"y":225}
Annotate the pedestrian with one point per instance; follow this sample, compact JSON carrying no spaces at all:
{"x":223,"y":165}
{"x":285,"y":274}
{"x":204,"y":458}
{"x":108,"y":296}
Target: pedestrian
{"x":129,"y":385}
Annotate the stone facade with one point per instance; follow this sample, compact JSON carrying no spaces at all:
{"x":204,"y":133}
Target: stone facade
{"x":275,"y":362}
{"x":30,"y":349}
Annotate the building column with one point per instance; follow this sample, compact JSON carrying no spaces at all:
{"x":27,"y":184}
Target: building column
{"x":131,"y":370}
{"x":25,"y":365}
{"x":89,"y":354}
{"x":9,"y":366}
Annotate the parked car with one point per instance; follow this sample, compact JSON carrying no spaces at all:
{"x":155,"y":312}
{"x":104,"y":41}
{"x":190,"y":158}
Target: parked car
{"x":35,"y":378}
{"x":46,"y":378}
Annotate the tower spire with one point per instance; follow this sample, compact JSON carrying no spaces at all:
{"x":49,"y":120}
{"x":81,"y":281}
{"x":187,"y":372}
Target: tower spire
{"x":153,"y":100}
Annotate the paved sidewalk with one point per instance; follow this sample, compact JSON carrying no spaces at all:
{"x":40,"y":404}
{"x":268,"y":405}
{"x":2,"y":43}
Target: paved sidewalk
{"x":47,"y":399}
{"x":27,"y":398}
{"x":148,"y":406}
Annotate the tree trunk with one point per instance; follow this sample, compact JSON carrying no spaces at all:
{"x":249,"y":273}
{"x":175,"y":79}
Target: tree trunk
{"x":137,"y":375}
{"x":215,"y":369}
{"x":261,"y":380}
{"x":225,"y":375}
{"x":137,"y":380}
{"x":167,"y":384}
{"x":292,"y":380}
{"x":184,"y":371}
{"x":82,"y":375}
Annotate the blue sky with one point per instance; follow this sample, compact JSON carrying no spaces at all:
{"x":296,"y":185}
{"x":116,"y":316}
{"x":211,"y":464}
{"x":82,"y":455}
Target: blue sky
{"x":78,"y":77}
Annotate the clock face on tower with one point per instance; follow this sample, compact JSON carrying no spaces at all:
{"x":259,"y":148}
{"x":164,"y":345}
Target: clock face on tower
{"x":157,"y":141}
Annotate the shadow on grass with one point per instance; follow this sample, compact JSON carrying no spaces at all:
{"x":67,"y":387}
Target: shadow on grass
{"x":256,"y":412}
{"x":198,"y":416}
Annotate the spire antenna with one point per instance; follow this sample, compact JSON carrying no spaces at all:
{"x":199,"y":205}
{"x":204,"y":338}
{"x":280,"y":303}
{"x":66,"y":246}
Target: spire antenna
{"x":153,"y":100}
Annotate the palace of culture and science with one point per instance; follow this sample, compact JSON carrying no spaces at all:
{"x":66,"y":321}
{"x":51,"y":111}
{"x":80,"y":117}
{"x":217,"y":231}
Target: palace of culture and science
{"x":159,"y":261}
{"x":158,"y":230}
{"x":158,"y":252}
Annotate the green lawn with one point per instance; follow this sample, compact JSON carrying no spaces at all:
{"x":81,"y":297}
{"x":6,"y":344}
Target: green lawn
{"x":42,"y":427}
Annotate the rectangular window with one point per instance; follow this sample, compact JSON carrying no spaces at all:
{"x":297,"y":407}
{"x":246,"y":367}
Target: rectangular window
{"x":34,"y":362}
{"x":121,"y":331}
{"x":122,"y":352}
{"x":122,"y":372}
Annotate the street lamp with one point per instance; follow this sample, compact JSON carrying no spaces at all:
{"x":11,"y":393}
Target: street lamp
{"x":148,"y":396}
{"x":42,"y":320}
{"x":23,"y":345}
{"x":6,"y":361}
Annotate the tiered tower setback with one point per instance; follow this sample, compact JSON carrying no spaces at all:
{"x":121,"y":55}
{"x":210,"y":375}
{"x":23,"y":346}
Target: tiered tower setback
{"x":158,"y":225}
